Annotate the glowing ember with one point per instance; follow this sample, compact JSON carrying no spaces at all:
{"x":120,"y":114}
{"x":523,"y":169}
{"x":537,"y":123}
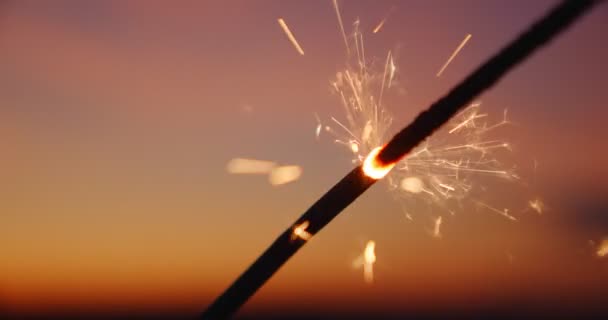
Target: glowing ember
{"x":373,"y":168}
{"x":284,"y":174}
{"x":290,"y":35}
{"x":299,"y":231}
{"x":602,"y":250}
{"x":249,"y":166}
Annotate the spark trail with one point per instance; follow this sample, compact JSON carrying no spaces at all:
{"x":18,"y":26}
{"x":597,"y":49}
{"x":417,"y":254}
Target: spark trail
{"x":454,"y":54}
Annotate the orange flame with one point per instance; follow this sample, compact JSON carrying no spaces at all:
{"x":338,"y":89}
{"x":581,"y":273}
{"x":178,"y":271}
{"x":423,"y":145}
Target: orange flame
{"x":373,"y":168}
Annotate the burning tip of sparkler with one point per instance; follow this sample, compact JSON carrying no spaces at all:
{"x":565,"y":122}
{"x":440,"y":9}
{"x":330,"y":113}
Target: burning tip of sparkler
{"x":284,"y":174}
{"x":299,"y":231}
{"x":373,"y":168}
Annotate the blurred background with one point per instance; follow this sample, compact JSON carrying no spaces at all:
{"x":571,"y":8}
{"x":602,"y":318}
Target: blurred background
{"x":117,"y":120}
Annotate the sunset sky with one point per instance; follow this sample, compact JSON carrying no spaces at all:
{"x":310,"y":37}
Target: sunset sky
{"x":117,"y":120}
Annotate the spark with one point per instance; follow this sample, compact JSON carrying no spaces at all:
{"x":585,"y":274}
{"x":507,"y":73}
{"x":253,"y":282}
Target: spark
{"x":379,"y":26}
{"x":504,"y":212}
{"x":290,"y":36}
{"x":339,"y":16}
{"x":299,"y":231}
{"x":383,"y":21}
{"x":284,"y":174}
{"x":319,"y":127}
{"x":602,"y":250}
{"x":537,"y":205}
{"x":249,"y":166}
{"x":373,"y":168}
{"x":436,"y":228}
{"x":454,"y":54}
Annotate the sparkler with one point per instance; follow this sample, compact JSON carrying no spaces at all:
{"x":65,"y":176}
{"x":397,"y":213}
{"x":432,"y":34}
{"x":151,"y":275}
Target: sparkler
{"x":284,"y":174}
{"x":357,"y":181}
{"x":277,"y":175}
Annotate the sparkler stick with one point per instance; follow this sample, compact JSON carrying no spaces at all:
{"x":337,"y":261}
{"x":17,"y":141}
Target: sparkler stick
{"x":381,"y":160}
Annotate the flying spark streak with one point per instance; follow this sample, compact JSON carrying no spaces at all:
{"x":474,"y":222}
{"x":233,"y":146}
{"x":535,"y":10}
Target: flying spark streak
{"x":284,"y":174}
{"x":290,"y":36}
{"x":339,"y":16}
{"x":367,"y":260}
{"x":504,"y":212}
{"x":381,"y":24}
{"x":602,"y":250}
{"x":454,"y":54}
{"x":249,"y":166}
{"x":299,"y":231}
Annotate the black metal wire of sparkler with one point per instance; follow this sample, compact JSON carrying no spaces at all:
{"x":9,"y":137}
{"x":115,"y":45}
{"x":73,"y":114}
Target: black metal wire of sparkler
{"x":356,"y":182}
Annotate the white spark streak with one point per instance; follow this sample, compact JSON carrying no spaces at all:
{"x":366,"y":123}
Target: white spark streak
{"x":284,"y":174}
{"x":367,"y":260}
{"x":335,"y":2}
{"x":504,"y":212}
{"x":290,"y":36}
{"x":383,"y":21}
{"x":454,"y":54}
{"x":249,"y":166}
